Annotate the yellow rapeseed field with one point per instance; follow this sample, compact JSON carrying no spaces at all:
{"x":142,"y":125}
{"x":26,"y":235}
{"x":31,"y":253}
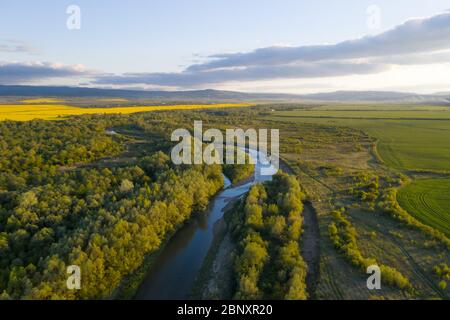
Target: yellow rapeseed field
{"x":56,"y":111}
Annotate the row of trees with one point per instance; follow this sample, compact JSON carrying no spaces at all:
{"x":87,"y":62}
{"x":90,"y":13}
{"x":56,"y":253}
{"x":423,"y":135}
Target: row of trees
{"x":344,"y":237}
{"x":390,"y":205}
{"x":268,"y":226}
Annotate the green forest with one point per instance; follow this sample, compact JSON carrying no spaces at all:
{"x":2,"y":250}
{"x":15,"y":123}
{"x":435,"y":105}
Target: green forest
{"x":55,"y":213}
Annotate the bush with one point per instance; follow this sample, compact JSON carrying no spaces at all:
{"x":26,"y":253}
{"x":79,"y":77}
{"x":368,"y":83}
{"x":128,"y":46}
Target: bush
{"x":344,"y":237}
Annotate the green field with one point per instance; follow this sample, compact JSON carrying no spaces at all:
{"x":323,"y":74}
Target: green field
{"x":437,"y":113}
{"x":409,"y":140}
{"x":429,"y":201}
{"x":376,"y":107}
{"x":311,"y":144}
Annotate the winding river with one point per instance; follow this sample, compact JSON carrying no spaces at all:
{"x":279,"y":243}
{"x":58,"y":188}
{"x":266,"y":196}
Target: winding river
{"x":175,"y":269}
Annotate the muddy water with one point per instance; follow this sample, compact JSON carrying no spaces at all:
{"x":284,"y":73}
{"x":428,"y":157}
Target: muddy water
{"x":173,"y":273}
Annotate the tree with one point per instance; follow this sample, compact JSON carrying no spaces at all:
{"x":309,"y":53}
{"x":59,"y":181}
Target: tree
{"x":276,"y":226}
{"x":254,"y":216}
{"x":27,"y":199}
{"x":126,"y":186}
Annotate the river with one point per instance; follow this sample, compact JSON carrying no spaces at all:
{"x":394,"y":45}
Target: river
{"x":172,"y":274}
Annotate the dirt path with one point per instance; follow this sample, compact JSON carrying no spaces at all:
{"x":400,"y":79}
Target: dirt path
{"x":416,"y":268}
{"x":310,"y":246}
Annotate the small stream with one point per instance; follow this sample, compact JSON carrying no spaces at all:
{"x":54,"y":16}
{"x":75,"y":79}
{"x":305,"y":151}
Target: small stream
{"x":175,"y":269}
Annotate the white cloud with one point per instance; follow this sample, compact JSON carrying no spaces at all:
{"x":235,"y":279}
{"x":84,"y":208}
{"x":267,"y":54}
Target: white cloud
{"x":19,"y":72}
{"x":412,"y":54}
{"x":306,"y":70}
{"x":413,"y":36}
{"x":417,"y":41}
{"x":16,"y":46}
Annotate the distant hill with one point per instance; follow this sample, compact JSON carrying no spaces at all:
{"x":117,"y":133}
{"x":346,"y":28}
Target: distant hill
{"x":218,"y":95}
{"x":444,"y":93}
{"x":378,"y":96}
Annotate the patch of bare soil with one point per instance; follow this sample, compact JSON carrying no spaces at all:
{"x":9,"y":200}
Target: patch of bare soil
{"x":310,"y":246}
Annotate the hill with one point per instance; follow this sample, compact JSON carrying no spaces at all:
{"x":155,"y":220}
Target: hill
{"x":220,"y":95}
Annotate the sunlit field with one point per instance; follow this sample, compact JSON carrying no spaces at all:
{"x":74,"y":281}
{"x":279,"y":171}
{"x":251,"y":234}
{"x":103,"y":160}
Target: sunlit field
{"x":341,"y":112}
{"x":56,"y":111}
{"x":429,"y":201}
{"x":415,"y":138}
{"x":42,"y":100}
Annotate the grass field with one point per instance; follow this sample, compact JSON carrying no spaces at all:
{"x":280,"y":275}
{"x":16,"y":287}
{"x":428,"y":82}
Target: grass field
{"x":309,"y":148}
{"x":376,"y":107}
{"x":429,"y":201}
{"x":54,"y":111}
{"x":425,"y":113}
{"x":410,"y":140}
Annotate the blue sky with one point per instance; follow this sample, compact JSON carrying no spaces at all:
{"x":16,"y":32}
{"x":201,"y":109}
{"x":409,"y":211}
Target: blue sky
{"x":146,"y":38}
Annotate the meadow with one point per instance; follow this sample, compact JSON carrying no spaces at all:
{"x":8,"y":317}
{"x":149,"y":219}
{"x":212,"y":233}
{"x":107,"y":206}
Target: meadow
{"x":438,"y":113}
{"x":412,"y":140}
{"x":335,"y":162}
{"x":408,"y":140}
{"x":429,"y":201}
{"x":24,"y":112}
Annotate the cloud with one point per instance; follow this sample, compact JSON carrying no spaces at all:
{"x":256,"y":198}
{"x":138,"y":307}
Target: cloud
{"x":413,"y":36}
{"x":16,"y":46}
{"x":413,"y":42}
{"x":19,"y":72}
{"x":416,"y":59}
{"x":311,"y":70}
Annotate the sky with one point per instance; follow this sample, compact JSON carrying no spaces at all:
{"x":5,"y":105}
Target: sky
{"x":289,"y":46}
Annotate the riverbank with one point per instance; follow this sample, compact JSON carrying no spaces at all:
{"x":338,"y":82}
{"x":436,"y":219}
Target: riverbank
{"x":130,"y":284}
{"x":215,"y":278}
